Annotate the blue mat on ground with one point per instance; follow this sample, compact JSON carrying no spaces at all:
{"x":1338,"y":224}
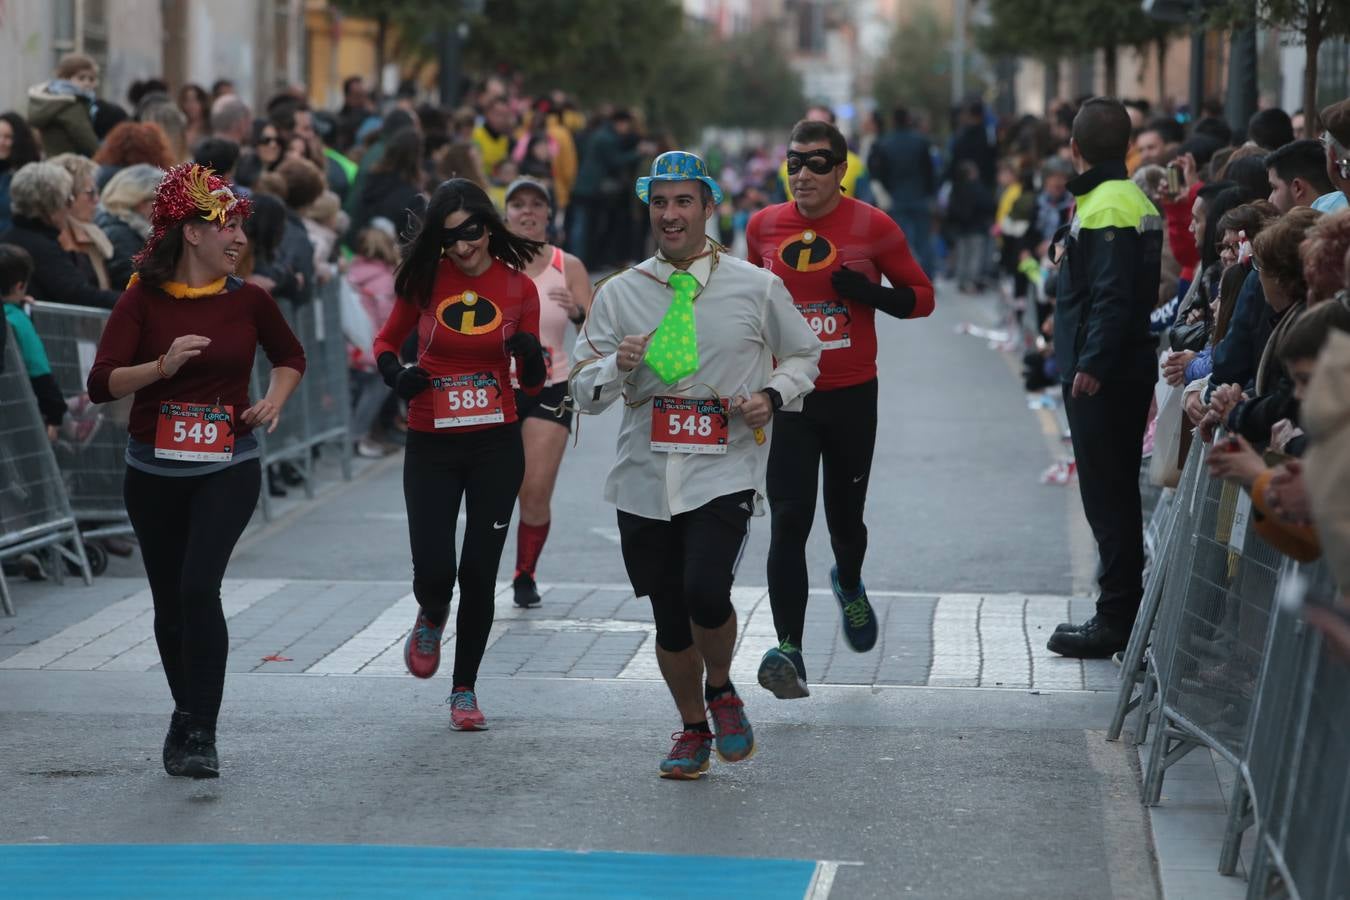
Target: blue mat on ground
{"x":329,"y":870}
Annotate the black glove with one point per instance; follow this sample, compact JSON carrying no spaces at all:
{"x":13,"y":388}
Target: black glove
{"x":406,"y":382}
{"x":531,"y":368}
{"x":522,"y":344}
{"x":855,"y":286}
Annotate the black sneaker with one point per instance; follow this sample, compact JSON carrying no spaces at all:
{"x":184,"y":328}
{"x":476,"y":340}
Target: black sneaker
{"x":196,"y":757}
{"x":783,"y":673}
{"x":527,"y":595}
{"x":860,"y":622}
{"x":1069,"y":626}
{"x":173,"y":742}
{"x":1095,"y":640}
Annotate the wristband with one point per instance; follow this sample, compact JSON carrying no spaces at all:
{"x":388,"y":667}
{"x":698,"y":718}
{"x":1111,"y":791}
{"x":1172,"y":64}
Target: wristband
{"x":775,"y":398}
{"x":159,"y":367}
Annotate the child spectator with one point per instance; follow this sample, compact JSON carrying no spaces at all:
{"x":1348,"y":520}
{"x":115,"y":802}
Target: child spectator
{"x":505,"y":172}
{"x":371,"y":275}
{"x":16,"y":267}
{"x":970,"y":213}
{"x":63,"y":109}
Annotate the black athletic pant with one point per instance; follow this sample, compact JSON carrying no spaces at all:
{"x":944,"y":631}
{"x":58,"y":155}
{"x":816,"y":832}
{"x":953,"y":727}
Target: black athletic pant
{"x":1108,"y":437}
{"x":686,"y":566}
{"x":187,"y":528}
{"x":837,"y":430}
{"x":484,"y":469}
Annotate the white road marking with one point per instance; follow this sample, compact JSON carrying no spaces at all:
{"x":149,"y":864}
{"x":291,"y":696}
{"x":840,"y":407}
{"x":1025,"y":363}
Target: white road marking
{"x":956,"y":641}
{"x":977,"y":640}
{"x":121,"y":636}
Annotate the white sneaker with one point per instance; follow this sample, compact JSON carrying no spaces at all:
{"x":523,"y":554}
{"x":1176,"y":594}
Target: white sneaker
{"x":368,"y":449}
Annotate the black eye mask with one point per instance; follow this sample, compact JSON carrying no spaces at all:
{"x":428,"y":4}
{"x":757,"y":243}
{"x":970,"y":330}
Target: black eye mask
{"x":468,"y":230}
{"x":818,"y":161}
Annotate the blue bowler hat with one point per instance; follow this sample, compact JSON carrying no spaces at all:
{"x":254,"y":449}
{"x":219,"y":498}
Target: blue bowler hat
{"x":677,"y":165}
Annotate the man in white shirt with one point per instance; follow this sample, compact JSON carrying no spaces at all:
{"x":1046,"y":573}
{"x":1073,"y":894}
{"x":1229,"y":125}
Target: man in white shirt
{"x":689,"y":340}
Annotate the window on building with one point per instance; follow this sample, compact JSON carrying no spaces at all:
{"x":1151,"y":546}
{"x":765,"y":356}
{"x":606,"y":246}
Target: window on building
{"x":80,"y":26}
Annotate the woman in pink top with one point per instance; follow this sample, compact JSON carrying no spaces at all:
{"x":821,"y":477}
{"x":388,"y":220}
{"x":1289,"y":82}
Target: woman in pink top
{"x":564,"y":296}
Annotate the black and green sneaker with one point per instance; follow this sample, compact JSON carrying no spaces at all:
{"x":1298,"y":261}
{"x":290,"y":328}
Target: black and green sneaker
{"x":782,"y":672}
{"x":860,"y":623}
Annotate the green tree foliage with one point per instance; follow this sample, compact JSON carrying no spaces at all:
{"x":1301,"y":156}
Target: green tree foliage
{"x":760,"y":89}
{"x":1050,"y":30}
{"x":1307,"y":22}
{"x":917,"y":70}
{"x":639,"y":53}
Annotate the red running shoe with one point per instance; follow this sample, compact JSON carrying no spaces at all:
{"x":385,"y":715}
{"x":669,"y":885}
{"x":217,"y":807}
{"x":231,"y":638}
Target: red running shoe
{"x":422,"y":651}
{"x":464,"y":712}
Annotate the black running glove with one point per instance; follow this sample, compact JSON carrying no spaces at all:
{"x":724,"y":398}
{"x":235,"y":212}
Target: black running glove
{"x":531,"y":368}
{"x":407,"y":382}
{"x":855,"y":286}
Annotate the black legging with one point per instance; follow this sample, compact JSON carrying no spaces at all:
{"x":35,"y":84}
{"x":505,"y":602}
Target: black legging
{"x":839,"y":429}
{"x":187,"y":528}
{"x":686,"y":565}
{"x":484,"y":468}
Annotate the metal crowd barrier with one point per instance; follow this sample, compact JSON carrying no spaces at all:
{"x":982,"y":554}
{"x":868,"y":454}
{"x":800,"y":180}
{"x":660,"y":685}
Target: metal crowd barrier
{"x":91,"y":451}
{"x":319,"y":412}
{"x":35,"y":513}
{"x":1293,"y":785}
{"x":1139,"y":677}
{"x":1214,"y":662}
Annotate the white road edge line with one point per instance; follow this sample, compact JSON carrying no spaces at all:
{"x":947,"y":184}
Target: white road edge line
{"x":822,"y":881}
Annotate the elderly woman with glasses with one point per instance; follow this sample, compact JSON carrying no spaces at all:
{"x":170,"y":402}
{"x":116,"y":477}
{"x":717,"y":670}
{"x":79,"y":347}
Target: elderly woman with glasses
{"x":81,"y":236}
{"x":42,"y":195}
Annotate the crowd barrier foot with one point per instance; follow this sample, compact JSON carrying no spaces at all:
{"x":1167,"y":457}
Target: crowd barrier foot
{"x":1170,"y":746}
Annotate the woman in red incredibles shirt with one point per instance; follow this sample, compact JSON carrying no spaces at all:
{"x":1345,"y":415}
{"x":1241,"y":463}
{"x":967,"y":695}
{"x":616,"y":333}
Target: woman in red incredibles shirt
{"x":182,"y":338}
{"x":461,"y":287}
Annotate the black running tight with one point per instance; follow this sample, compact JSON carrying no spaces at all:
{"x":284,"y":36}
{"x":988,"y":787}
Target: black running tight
{"x":836,"y":430}
{"x":187,"y":528}
{"x":484,"y":470}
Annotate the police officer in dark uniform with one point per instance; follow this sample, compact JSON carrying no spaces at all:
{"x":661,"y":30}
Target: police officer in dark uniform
{"x":1110,"y":258}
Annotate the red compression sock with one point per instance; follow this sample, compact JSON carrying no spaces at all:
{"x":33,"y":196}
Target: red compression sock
{"x":529,"y":544}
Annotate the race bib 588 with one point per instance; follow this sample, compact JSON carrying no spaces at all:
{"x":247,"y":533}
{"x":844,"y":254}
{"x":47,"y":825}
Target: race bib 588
{"x":458,"y":401}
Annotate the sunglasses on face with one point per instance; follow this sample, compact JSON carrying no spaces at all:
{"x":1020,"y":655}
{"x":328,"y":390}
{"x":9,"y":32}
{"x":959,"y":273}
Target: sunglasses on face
{"x":818,"y":161}
{"x":469,"y":230}
{"x":265,"y":141}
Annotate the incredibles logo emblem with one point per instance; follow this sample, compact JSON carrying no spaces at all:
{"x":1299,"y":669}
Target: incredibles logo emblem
{"x":807,"y":252}
{"x":469,"y":313}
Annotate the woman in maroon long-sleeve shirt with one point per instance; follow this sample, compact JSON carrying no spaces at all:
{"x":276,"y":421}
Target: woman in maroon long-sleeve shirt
{"x":182,"y":338}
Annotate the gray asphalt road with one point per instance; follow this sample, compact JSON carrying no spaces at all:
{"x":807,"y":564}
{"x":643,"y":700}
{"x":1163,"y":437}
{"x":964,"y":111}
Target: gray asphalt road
{"x":919,"y":793}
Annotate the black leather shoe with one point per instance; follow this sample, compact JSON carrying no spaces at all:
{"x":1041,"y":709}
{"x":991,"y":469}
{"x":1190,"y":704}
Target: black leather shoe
{"x":1095,"y":640}
{"x":196,"y":756}
{"x":1069,"y":626}
{"x":527,"y":594}
{"x":173,"y":743}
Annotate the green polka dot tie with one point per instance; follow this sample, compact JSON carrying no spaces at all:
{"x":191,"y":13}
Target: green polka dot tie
{"x":673,"y":351}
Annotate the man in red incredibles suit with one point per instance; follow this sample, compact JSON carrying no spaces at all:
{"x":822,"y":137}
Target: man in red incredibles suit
{"x":831,"y":252}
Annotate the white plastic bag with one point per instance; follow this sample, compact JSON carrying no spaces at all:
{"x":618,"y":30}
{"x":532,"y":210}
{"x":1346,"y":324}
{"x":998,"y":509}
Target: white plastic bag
{"x":356,"y":325}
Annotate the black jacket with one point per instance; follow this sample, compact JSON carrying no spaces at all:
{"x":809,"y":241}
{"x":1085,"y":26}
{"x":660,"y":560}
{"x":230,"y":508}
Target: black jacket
{"x":126,"y":243}
{"x":57,"y":276}
{"x":386,"y":195}
{"x":1109,"y":271}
